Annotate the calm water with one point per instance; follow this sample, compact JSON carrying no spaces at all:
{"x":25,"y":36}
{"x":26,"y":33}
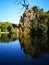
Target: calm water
{"x":24,"y":50}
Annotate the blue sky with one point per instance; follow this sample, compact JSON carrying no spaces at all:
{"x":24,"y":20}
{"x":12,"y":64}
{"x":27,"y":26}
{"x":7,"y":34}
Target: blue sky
{"x":11,"y":12}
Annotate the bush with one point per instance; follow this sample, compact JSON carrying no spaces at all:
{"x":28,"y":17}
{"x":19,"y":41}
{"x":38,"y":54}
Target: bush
{"x":42,"y":28}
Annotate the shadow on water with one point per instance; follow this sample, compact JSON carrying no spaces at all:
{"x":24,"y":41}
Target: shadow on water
{"x":35,"y":45}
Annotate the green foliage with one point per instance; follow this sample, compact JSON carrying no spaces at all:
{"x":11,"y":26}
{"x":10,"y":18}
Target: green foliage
{"x":35,"y":23}
{"x":35,"y":9}
{"x":7,"y":27}
{"x":38,"y":27}
{"x":42,"y":28}
{"x":39,"y":20}
{"x":3,"y":28}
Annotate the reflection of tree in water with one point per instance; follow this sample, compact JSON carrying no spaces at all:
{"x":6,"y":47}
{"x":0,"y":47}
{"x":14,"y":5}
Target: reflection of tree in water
{"x":11,"y":36}
{"x":34,"y":45}
{"x":8,"y":37}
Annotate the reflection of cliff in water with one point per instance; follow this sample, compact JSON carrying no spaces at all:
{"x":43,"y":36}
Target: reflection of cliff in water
{"x":34,"y":45}
{"x":8,"y":37}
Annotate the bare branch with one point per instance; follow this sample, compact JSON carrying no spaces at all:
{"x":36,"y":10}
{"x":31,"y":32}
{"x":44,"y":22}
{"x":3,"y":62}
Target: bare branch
{"x":24,"y":3}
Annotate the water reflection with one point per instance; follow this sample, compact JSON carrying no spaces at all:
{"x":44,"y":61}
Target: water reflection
{"x":8,"y":37}
{"x":35,"y":45}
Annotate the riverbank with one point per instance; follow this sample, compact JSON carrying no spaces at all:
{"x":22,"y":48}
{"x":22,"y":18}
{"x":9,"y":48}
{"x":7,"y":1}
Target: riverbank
{"x":4,"y":32}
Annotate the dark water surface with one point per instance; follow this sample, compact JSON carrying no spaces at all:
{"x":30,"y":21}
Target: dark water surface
{"x":24,"y":50}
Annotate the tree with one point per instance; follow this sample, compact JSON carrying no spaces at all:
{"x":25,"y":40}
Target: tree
{"x":14,"y":25}
{"x":47,"y":11}
{"x":35,"y":9}
{"x":24,"y":3}
{"x":34,"y":25}
{"x":9,"y":28}
{"x":4,"y":28}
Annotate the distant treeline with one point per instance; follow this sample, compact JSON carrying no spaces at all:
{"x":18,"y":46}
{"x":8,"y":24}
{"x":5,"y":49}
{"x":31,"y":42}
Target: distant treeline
{"x":8,"y":27}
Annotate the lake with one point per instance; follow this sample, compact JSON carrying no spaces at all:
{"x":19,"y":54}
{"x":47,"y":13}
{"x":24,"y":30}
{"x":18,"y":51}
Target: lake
{"x":24,"y":50}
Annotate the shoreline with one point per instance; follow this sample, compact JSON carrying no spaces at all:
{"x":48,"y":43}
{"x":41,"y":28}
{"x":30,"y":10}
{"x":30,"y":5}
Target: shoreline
{"x":4,"y":32}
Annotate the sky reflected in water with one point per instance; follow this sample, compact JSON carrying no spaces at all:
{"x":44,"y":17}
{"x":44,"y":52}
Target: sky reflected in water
{"x":22,"y":52}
